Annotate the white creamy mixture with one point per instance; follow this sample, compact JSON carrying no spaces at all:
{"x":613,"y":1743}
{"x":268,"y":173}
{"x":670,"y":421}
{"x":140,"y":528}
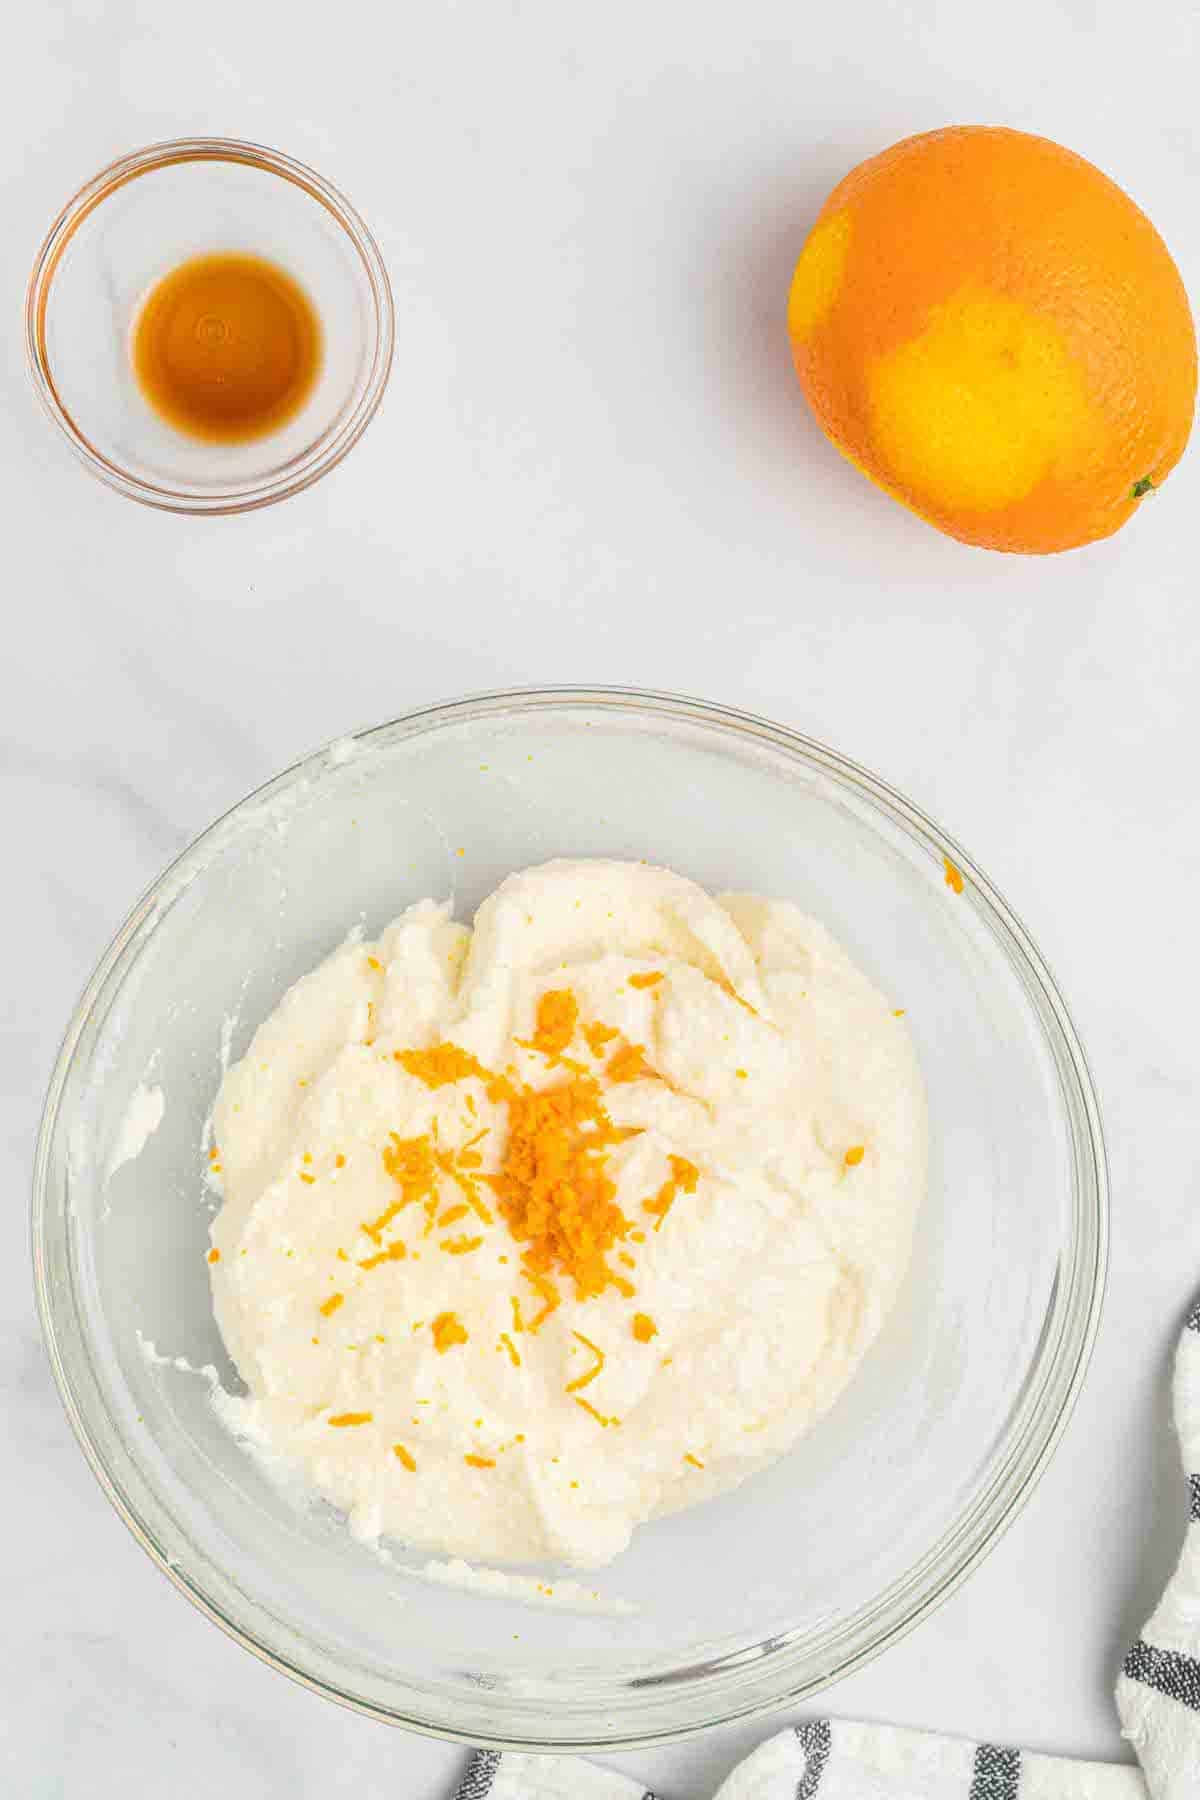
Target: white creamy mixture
{"x":535,"y":1232}
{"x":141,"y":1120}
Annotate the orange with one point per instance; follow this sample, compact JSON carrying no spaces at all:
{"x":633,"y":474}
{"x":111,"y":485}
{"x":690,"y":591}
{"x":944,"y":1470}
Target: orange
{"x":991,"y":330}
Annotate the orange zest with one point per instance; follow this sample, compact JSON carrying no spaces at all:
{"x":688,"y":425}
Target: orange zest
{"x":682,"y":1179}
{"x":440,"y":1065}
{"x":629,"y":1064}
{"x":460,"y":1246}
{"x":451,"y":1163}
{"x":351,"y":1418}
{"x":415,"y":1164}
{"x":328,"y":1307}
{"x":394,"y":1253}
{"x":214,"y":1255}
{"x":694,"y":1460}
{"x":597,"y":1036}
{"x":468,"y":1156}
{"x":648,"y":980}
{"x":404,"y":1456}
{"x":557,"y":1019}
{"x":409,"y":1161}
{"x":598,"y":1416}
{"x":581,"y":1381}
{"x":644,"y":1327}
{"x":554,"y":1189}
{"x":479,"y":1462}
{"x":448,"y":1330}
{"x":954,"y":878}
{"x":551,"y":1299}
{"x":854,"y":1155}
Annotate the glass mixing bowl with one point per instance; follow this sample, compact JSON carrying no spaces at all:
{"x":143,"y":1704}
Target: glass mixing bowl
{"x":766,"y":1594}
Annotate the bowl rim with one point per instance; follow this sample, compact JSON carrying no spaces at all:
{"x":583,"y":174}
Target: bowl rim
{"x":1029,"y":1442}
{"x":320,"y":457}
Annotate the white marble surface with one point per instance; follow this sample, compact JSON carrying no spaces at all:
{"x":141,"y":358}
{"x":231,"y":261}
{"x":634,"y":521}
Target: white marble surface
{"x":592,"y":464}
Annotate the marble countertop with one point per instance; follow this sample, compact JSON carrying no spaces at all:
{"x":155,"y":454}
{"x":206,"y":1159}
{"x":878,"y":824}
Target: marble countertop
{"x":593,"y":465}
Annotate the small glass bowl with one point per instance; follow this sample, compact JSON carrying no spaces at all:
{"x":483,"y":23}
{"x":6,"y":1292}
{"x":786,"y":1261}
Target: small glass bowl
{"x":734,"y":1606}
{"x":131,"y":225}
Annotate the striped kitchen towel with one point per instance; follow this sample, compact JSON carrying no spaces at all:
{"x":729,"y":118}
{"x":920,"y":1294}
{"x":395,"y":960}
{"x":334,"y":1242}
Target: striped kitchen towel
{"x":1158,"y":1695}
{"x":1158,"y":1699}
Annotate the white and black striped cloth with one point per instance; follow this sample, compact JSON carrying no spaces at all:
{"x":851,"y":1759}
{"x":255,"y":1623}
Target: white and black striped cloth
{"x":1158,"y":1699}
